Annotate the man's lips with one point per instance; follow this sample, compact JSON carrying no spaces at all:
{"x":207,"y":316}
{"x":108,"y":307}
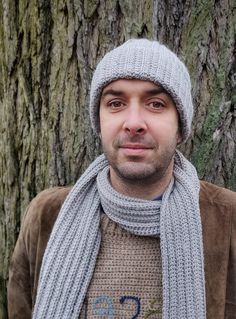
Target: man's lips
{"x":131,"y":149}
{"x":134,"y":146}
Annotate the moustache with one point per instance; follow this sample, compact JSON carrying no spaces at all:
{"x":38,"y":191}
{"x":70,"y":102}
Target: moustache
{"x":147,"y":142}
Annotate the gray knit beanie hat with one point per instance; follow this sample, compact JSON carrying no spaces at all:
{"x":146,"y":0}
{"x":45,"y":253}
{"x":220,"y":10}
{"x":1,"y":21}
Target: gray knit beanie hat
{"x":145,"y":60}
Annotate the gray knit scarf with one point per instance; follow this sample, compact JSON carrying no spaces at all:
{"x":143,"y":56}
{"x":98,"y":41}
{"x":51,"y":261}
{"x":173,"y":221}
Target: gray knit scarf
{"x":72,"y":250}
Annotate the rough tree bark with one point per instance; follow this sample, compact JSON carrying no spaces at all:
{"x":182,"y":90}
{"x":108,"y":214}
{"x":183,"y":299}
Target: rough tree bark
{"x":48,"y":51}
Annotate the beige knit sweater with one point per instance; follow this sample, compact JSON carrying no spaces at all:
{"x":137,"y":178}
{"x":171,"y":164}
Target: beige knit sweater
{"x":126,"y":283}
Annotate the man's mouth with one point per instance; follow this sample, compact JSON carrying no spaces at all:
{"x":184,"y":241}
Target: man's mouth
{"x":134,"y":149}
{"x":134,"y":146}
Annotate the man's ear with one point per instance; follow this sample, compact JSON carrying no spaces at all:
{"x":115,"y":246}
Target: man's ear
{"x":179,"y":138}
{"x":179,"y":134}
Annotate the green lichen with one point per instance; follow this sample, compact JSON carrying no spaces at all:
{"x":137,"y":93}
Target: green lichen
{"x":90,"y":7}
{"x":233,"y":99}
{"x":232,"y":180}
{"x":204,"y":150}
{"x":3,"y":298}
{"x":195,"y":31}
{"x":138,"y":18}
{"x":196,"y":36}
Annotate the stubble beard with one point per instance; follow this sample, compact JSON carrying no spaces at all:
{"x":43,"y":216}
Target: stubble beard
{"x":135,"y":171}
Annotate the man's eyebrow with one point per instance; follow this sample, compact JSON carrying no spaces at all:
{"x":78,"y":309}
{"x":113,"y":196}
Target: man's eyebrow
{"x":111,"y":92}
{"x":155,"y":91}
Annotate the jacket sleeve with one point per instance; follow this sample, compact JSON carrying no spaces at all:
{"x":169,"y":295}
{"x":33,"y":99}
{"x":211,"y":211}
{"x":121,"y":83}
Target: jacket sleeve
{"x":230,"y":306}
{"x":28,"y":254}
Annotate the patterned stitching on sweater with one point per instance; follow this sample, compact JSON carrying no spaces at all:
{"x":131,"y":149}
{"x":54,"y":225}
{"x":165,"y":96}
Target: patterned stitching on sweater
{"x":104,"y":306}
{"x":152,"y":310}
{"x":103,"y":311}
{"x":136,"y":300}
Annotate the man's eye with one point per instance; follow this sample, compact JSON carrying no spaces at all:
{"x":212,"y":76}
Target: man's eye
{"x":115,"y":104}
{"x":156,"y":105}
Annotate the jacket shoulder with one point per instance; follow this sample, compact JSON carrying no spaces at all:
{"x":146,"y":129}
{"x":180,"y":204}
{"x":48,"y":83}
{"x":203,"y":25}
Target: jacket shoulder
{"x":216,"y":194}
{"x":46,"y":205}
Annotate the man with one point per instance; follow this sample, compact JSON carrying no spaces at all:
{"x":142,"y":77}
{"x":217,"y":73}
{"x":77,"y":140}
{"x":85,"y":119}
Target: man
{"x":137,"y":236}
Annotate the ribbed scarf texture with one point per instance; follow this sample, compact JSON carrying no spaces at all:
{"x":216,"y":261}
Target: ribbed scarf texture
{"x":72,"y":250}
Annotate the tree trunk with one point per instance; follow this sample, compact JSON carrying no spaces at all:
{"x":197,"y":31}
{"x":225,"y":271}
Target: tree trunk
{"x":48,"y":51}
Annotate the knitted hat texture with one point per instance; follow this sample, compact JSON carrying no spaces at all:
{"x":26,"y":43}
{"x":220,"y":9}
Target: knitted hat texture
{"x":144,"y":60}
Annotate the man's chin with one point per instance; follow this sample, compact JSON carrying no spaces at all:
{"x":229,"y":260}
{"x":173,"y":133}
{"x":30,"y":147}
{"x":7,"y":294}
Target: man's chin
{"x":135,"y":171}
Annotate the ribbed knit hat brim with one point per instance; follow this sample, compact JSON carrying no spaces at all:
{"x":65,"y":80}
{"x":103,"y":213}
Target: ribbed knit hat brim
{"x":145,"y":60}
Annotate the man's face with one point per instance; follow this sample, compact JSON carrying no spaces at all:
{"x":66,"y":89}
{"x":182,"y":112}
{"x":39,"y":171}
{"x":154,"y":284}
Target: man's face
{"x":139,"y":130}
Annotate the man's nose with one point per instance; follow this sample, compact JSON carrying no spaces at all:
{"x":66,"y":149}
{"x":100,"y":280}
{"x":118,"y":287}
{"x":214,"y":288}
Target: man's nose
{"x":135,"y":122}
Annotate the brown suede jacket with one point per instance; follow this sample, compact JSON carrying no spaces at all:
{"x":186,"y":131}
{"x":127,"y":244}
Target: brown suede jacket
{"x":218,"y":213}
